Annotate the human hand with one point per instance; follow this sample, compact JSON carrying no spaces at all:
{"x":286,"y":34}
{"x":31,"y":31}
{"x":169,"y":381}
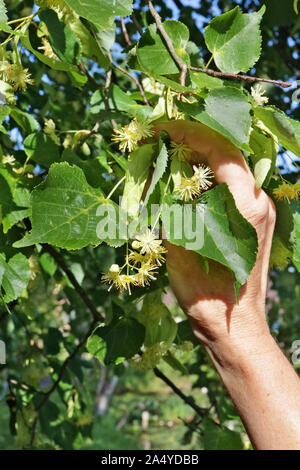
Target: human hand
{"x":208,"y":299}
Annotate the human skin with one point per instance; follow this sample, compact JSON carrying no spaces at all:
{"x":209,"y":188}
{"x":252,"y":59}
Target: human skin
{"x":260,"y":380}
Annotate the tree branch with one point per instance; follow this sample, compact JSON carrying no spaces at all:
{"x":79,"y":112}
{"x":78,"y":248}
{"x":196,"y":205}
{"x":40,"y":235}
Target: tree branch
{"x":138,"y":84}
{"x":60,"y":261}
{"x":125,"y":32}
{"x":137,"y":24}
{"x":188,"y":400}
{"x":81,"y":292}
{"x":235,"y":76}
{"x":183,"y":67}
{"x":89,"y":77}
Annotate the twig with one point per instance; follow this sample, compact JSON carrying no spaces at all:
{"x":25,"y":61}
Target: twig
{"x":137,"y":24}
{"x":183,"y":67}
{"x":106,"y":92}
{"x":246,"y":78}
{"x":125,"y":32}
{"x":188,"y":400}
{"x":138,"y":84}
{"x":85,"y":298}
{"x":89,"y":77}
{"x":178,"y":4}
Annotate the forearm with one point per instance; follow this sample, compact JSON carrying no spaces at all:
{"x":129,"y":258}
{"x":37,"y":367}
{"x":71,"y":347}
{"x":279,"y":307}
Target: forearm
{"x":264,"y":388}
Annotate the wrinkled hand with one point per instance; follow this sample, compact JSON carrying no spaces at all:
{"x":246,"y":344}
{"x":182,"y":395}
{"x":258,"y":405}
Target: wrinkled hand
{"x":209,"y":299}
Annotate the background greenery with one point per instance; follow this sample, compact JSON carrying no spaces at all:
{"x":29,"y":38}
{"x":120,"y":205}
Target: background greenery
{"x":53,"y":315}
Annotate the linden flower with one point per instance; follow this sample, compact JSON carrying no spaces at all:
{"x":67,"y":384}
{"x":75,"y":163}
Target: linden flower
{"x":187,"y":189}
{"x":258,"y":95}
{"x":4,"y":67}
{"x":202,"y":175}
{"x":146,"y":242}
{"x":120,"y":281}
{"x":112,"y":276}
{"x":49,"y":127}
{"x":19,"y":76}
{"x":144,"y":275}
{"x":126,"y":138}
{"x":287,"y":191}
{"x":138,"y":258}
{"x":46,"y":47}
{"x":9,"y":159}
{"x":181,"y":151}
{"x":158,"y":256}
{"x":142,"y":128}
{"x":129,"y":136}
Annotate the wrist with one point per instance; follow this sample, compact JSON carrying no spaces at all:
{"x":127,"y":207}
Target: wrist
{"x":242,"y":354}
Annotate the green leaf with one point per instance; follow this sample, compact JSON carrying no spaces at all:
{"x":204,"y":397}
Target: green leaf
{"x":3,"y":18}
{"x":295,"y":5}
{"x":152,"y":53}
{"x":101,"y":12}
{"x":227,"y":111}
{"x":90,"y":48}
{"x":15,"y":276}
{"x":41,"y":148}
{"x":263,"y":157}
{"x":118,"y":100}
{"x":159,"y":170}
{"x":64,"y":42}
{"x":234,"y":39}
{"x":118,"y":341}
{"x":202,"y":80}
{"x":172,"y":84}
{"x":24,"y":120}
{"x":48,"y":264}
{"x":10,"y":212}
{"x":228,"y":237}
{"x":157,"y":319}
{"x":64,"y":210}
{"x":285,"y":129}
{"x":220,"y":438}
{"x":136,"y":176}
{"x":52,"y":63}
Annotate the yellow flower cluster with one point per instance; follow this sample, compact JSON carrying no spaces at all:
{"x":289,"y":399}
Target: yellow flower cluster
{"x":194,"y":186}
{"x":15,"y":74}
{"x":130,"y":136}
{"x":47,"y":49}
{"x":257,"y":93}
{"x":50,"y":129}
{"x":144,"y":262}
{"x":287,"y":191}
{"x":181,"y":151}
